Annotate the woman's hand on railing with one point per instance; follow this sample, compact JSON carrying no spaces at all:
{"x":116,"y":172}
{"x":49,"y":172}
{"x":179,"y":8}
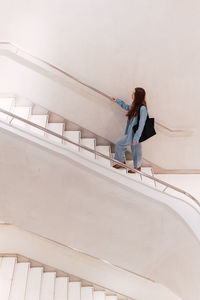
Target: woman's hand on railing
{"x":114,"y":99}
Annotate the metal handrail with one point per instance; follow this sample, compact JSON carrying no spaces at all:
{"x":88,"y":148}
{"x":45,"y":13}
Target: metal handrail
{"x":82,"y":83}
{"x":167,"y":185}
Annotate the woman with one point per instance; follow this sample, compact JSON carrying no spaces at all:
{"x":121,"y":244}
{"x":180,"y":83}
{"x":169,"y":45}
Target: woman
{"x":131,"y":138}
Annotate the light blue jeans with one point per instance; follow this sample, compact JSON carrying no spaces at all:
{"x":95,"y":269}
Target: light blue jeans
{"x":121,"y":147}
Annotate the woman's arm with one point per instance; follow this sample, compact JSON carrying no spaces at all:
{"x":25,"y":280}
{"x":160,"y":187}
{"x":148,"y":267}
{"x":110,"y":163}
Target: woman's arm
{"x":122,"y":103}
{"x":142,"y":121}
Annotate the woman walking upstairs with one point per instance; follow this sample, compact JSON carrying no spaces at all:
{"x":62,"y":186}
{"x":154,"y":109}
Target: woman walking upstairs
{"x":132,"y":138}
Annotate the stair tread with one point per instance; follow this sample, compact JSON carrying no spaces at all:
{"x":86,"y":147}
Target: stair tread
{"x":40,"y":120}
{"x":72,"y":133}
{"x":6,"y":104}
{"x":48,"y":286}
{"x":99,"y":295}
{"x":87,"y":293}
{"x":18,"y":286}
{"x":61,"y":288}
{"x":74,"y":291}
{"x":6,"y":275}
{"x":106,"y":151}
{"x":103,"y":149}
{"x":74,"y":136}
{"x":23,"y":112}
{"x":57,"y":128}
{"x":7,"y":267}
{"x":90,"y":143}
{"x":34,"y":283}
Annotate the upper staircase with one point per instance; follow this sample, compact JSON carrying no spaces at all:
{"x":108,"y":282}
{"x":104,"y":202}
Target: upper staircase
{"x":22,"y":114}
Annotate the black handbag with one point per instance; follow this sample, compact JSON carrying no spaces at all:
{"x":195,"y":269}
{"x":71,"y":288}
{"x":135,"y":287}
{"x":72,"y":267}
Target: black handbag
{"x":148,"y":130}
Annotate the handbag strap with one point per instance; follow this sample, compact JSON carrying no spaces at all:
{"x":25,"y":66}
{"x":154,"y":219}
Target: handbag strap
{"x":139,"y":116}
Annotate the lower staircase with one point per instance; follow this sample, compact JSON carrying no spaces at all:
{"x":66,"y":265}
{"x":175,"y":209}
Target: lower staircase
{"x":21,"y":281}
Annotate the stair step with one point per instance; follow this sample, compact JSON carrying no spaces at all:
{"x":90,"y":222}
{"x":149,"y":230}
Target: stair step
{"x":106,"y":151}
{"x":6,"y":104}
{"x":40,"y":120}
{"x":6,"y":274}
{"x":147,"y":170}
{"x":48,"y":286}
{"x":136,"y":176}
{"x":61,"y":288}
{"x":34,"y":284}
{"x":87,"y":293}
{"x":23,"y":112}
{"x":31,"y":283}
{"x":99,"y":295}
{"x":57,"y":128}
{"x":73,"y":136}
{"x":18,"y":286}
{"x":90,"y":143}
{"x":121,"y":170}
{"x":74,"y":291}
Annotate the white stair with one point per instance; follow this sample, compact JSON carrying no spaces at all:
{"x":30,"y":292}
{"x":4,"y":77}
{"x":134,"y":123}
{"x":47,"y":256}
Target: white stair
{"x":57,"y":128}
{"x":22,"y":112}
{"x":74,"y":291}
{"x":90,"y":143}
{"x":87,"y":293}
{"x":48,"y":286}
{"x":6,"y":274}
{"x":121,"y":170}
{"x":40,"y":120}
{"x":34,"y":284}
{"x":74,"y":136}
{"x":18,"y":286}
{"x":6,"y":104}
{"x":106,"y":151}
{"x":147,"y":170}
{"x":99,"y":295}
{"x":19,"y":281}
{"x":137,"y":176}
{"x":61,"y":288}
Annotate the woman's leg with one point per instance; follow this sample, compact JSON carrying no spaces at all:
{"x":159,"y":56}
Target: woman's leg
{"x":120,"y":149}
{"x":137,"y":155}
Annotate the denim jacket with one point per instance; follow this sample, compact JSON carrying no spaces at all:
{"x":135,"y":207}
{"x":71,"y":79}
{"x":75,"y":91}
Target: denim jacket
{"x":134,"y":137}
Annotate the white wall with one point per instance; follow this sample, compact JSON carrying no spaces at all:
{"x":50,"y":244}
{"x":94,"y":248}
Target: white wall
{"x":59,"y":198}
{"x":116,"y":45}
{"x":79,"y":105}
{"x":83,"y":266}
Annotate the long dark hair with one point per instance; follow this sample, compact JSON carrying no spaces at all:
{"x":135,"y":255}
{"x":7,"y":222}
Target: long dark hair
{"x":138,"y":101}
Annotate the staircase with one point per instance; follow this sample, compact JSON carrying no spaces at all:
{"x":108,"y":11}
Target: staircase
{"x":26,"y":112}
{"x":21,"y":281}
{"x":56,"y":124}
